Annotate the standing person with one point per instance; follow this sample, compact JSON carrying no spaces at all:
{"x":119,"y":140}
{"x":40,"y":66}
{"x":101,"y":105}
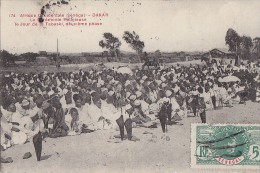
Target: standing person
{"x":212,"y":92}
{"x":164,"y":113}
{"x":201,"y":105}
{"x":208,"y":97}
{"x":194,"y":101}
{"x":258,"y":93}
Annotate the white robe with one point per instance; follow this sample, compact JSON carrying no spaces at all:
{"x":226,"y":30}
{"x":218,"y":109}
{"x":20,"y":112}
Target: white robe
{"x":108,"y":111}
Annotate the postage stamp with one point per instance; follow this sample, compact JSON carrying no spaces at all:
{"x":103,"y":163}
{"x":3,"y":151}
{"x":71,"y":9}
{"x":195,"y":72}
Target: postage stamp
{"x":227,"y":146}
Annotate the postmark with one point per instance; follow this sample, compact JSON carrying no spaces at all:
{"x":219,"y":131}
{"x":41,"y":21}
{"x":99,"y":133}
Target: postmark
{"x":225,"y":146}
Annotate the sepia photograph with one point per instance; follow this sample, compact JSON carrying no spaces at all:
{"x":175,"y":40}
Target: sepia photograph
{"x":130,"y":86}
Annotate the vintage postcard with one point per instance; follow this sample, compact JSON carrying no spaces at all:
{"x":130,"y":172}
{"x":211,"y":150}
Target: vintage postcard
{"x":115,"y":86}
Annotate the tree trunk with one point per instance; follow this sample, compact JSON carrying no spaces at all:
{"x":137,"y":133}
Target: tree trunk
{"x":116,"y":56}
{"x":237,"y":60}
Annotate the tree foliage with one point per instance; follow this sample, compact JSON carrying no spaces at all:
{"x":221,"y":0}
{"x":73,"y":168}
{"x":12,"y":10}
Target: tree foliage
{"x":245,"y":47}
{"x":133,"y":40}
{"x":111,"y":43}
{"x":29,"y":56}
{"x":233,"y":40}
{"x":256,"y":47}
{"x":241,"y":45}
{"x":7,"y":58}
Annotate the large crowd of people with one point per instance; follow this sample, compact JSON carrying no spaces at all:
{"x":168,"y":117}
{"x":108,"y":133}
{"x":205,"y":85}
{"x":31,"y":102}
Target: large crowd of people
{"x":62,"y":103}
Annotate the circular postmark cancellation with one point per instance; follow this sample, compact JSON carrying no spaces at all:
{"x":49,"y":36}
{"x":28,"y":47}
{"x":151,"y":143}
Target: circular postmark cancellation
{"x":227,"y":145}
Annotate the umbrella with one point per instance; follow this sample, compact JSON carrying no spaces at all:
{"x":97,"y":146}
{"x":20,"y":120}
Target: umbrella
{"x":125,"y":70}
{"x":128,"y":126}
{"x":229,"y":79}
{"x":120,"y":122}
{"x":37,"y":142}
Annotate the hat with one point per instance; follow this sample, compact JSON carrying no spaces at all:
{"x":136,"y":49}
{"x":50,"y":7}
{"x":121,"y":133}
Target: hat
{"x":127,"y":83}
{"x":165,"y":99}
{"x":111,"y":93}
{"x":164,"y":85}
{"x":128,"y":106}
{"x":168,"y":93}
{"x":99,"y":85}
{"x":103,"y":89}
{"x":128,"y":94}
{"x":132,"y":97}
{"x":25,"y":102}
{"x":163,"y":78}
{"x":158,"y":82}
{"x":144,"y":77}
{"x":138,"y":94}
{"x":50,"y":92}
{"x":137,"y":103}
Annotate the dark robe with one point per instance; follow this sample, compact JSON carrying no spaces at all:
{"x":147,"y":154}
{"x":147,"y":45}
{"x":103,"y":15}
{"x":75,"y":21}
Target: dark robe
{"x":59,"y":126}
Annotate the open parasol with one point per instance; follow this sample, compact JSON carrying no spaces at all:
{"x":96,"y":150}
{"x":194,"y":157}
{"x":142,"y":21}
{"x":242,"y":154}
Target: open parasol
{"x":124,"y":70}
{"x":229,"y":79}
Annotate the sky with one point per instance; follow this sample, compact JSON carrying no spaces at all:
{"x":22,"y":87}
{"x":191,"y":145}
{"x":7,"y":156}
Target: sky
{"x":168,"y":25}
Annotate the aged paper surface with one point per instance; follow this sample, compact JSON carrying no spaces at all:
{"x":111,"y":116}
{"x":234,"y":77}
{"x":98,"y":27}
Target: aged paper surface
{"x":115,"y":85}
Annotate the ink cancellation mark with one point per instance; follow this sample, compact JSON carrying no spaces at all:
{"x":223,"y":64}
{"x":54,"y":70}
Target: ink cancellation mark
{"x":225,"y":146}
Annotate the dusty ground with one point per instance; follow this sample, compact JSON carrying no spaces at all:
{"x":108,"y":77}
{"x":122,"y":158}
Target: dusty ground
{"x":76,"y":67}
{"x":93,"y":153}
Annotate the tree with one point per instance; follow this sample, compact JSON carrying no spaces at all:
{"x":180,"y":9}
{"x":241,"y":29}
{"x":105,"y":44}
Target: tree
{"x":144,"y":57}
{"x":29,"y":56}
{"x":233,"y":40}
{"x":256,"y":48}
{"x":158,"y":53}
{"x":111,"y":43}
{"x":245,"y":47}
{"x":133,"y":40}
{"x":7,"y":58}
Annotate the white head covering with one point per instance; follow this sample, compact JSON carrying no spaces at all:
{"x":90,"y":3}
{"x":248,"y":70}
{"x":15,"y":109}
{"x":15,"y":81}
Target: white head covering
{"x":168,"y":93}
{"x":138,"y":93}
{"x":137,"y":102}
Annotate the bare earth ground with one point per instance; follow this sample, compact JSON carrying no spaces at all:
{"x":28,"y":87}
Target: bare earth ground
{"x":76,"y":67}
{"x":93,"y":153}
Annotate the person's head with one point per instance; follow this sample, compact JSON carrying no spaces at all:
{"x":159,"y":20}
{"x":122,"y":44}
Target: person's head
{"x":55,"y":101}
{"x":39,"y":101}
{"x":74,"y":114}
{"x":78,"y":100}
{"x":11,"y":108}
{"x":207,"y":87}
{"x":26,"y":104}
{"x":96,"y":99}
{"x":68,"y":97}
{"x":200,"y":90}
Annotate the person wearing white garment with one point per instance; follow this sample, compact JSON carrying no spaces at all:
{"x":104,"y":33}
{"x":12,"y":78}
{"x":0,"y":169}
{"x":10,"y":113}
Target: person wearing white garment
{"x":20,"y":133}
{"x":144,"y":105}
{"x":207,"y":97}
{"x":95,"y":112}
{"x":176,"y":109}
{"x":84,"y":120}
{"x":109,"y":109}
{"x":27,"y":110}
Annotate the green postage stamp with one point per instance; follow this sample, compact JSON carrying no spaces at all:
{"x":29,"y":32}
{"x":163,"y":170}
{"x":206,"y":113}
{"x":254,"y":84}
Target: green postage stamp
{"x":226,"y":146}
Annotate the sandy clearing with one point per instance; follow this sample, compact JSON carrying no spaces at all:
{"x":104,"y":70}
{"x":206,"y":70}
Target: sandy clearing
{"x":92,"y":153}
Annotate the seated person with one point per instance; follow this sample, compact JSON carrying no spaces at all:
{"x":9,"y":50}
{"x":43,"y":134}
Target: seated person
{"x":72,"y":121}
{"x":59,"y":126}
{"x":138,"y":115}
